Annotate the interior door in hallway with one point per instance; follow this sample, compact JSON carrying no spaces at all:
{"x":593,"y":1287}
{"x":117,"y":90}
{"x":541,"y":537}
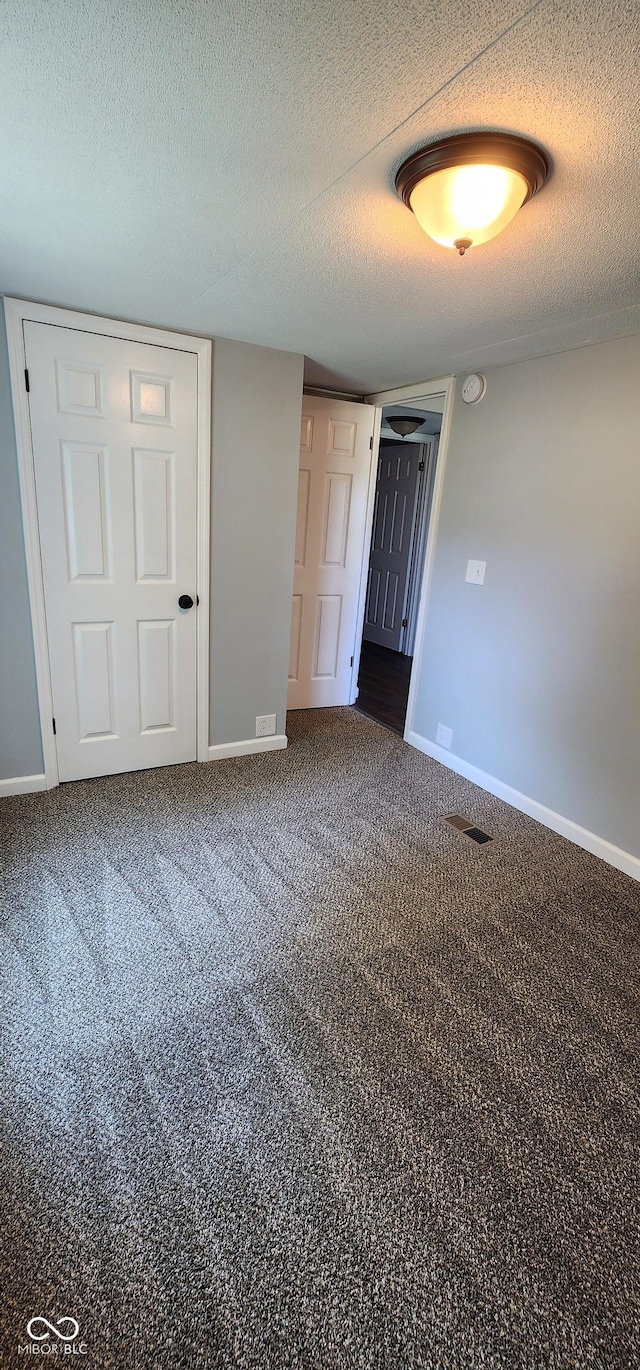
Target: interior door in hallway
{"x":333,"y":482}
{"x":114,"y":431}
{"x":399,"y":466}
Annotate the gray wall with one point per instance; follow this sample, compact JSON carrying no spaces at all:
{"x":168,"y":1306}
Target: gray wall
{"x":257,"y":402}
{"x":20,"y":745}
{"x":538,"y":671}
{"x":257,"y":399}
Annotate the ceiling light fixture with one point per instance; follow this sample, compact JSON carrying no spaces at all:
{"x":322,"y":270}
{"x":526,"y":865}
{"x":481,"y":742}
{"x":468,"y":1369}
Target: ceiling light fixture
{"x":403,"y":425}
{"x":466,"y":189}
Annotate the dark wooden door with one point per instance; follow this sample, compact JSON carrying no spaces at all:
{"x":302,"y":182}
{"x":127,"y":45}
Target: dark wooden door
{"x":399,"y":465}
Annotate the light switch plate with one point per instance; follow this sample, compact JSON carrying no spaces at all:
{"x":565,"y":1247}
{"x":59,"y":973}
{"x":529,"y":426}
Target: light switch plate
{"x":475,"y":572}
{"x":444,"y":736}
{"x":265,"y":725}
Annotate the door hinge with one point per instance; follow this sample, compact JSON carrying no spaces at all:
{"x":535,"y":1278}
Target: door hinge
{"x":405,"y":622}
{"x":370,"y":439}
{"x":54,"y":726}
{"x":26,"y":380}
{"x":421,"y":466}
{"x":351,"y":662}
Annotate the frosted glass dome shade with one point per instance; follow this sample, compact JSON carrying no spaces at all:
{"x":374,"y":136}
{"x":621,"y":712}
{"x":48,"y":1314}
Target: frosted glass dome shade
{"x":468,"y":204}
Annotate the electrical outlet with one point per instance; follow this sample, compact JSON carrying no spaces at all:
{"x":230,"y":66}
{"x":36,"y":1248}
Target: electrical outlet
{"x":265,"y":725}
{"x":475,"y":572}
{"x":444,"y":736}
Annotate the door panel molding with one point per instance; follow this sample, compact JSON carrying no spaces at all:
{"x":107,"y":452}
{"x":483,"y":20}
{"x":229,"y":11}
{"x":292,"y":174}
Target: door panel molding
{"x":87,"y":528}
{"x":93,"y":647}
{"x":75,"y":391}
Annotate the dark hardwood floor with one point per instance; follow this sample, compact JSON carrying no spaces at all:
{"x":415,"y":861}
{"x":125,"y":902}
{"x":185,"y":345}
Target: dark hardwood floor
{"x":383,"y":685}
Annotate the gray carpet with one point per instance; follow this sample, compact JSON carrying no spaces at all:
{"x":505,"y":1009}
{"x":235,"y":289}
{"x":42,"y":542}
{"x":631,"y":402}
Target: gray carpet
{"x":294,"y":1075}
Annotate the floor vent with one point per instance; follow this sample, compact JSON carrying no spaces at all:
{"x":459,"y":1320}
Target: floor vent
{"x":477,"y":835}
{"x":464,"y":825}
{"x":457,"y":821}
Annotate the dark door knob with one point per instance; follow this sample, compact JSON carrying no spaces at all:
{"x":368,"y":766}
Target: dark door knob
{"x":185,"y":602}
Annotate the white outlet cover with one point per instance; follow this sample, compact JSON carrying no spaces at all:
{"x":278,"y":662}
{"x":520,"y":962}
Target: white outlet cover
{"x":444,"y":736}
{"x":475,"y":572}
{"x":265,"y":725}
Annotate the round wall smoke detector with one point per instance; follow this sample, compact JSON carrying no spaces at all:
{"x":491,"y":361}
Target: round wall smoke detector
{"x":474,"y":388}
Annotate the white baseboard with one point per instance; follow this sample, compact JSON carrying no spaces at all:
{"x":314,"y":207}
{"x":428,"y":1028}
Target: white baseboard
{"x":598,"y":846}
{"x":23,"y":784}
{"x":248,"y":747}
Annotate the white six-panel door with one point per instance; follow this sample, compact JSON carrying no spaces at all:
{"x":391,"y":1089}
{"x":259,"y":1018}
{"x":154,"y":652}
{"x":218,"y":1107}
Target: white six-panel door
{"x":333,"y":482}
{"x":114,"y":432}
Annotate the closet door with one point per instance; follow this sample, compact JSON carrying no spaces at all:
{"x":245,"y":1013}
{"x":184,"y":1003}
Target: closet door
{"x":114,"y":430}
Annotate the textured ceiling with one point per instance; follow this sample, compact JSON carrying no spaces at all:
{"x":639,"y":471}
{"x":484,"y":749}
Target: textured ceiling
{"x":227,"y":168}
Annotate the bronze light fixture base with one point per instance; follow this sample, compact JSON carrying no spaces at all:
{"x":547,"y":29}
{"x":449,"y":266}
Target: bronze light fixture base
{"x":469,"y":149}
{"x":404,"y":424}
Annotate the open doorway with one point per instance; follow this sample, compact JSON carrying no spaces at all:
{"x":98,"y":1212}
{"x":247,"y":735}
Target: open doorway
{"x":337,"y":510}
{"x":407,"y":457}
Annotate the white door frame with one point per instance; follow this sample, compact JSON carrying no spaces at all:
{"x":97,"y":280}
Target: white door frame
{"x":16,"y":313}
{"x":415,"y":395}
